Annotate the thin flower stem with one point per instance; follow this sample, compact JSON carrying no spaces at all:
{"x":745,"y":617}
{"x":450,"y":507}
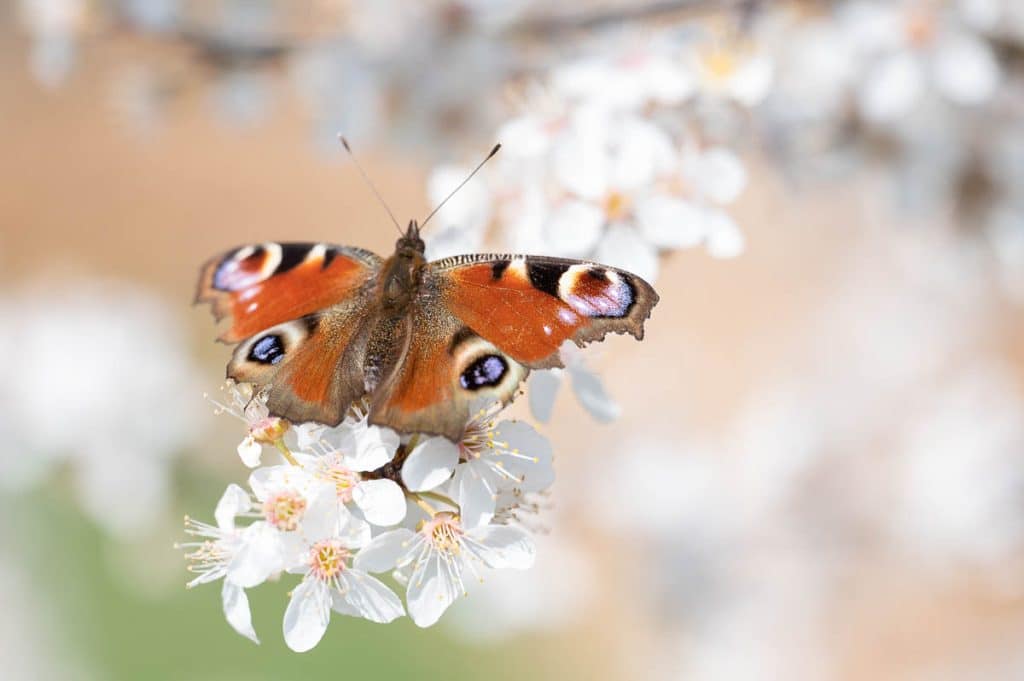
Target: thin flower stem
{"x":439,"y":497}
{"x":285,"y":452}
{"x":421,"y":502}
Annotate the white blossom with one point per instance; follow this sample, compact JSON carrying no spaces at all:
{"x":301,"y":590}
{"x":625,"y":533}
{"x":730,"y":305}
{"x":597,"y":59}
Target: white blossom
{"x":628,"y":79}
{"x":496,"y":457}
{"x":489,"y":458}
{"x":263,"y":429}
{"x":961,"y":474}
{"x":55,"y":27}
{"x":911,"y":48}
{"x":436,"y":557}
{"x":330,"y":581}
{"x":242,"y":557}
{"x":735,"y":72}
{"x":336,"y":460}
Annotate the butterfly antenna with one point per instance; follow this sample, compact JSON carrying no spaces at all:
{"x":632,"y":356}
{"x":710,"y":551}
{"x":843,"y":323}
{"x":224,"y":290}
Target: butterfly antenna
{"x":461,"y":184}
{"x":344,"y":143}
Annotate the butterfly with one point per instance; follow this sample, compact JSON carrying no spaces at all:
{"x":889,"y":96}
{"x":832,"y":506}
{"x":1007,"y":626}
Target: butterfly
{"x":319,"y":327}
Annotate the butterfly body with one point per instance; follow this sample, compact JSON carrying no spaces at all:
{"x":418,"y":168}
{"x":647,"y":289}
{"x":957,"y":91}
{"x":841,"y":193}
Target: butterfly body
{"x":319,"y":327}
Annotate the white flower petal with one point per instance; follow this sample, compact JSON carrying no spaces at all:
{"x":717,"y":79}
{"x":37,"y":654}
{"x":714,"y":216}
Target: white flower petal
{"x":235,"y":500}
{"x":668,"y":81}
{"x":873,"y":27}
{"x":543,"y":389}
{"x":302,"y":437}
{"x":643,"y":152}
{"x":623,"y":247}
{"x":294,"y":550}
{"x":381,"y":501}
{"x":474,"y":496}
{"x":524,"y":136}
{"x":891,"y":88}
{"x":966,"y":70}
{"x":981,"y":15}
{"x":307,"y":615}
{"x":669,"y":222}
{"x":431,"y":590}
{"x":354,"y":532}
{"x":573,"y":228}
{"x":752,"y":80}
{"x":530,"y":457}
{"x":367,"y":597}
{"x":725,"y":240}
{"x":323,"y":516}
{"x":259,"y":556}
{"x":384,"y":551}
{"x":267,"y":480}
{"x":340,"y":437}
{"x":503,"y":546}
{"x":591,"y":393}
{"x":236,"y":610}
{"x":580,"y":160}
{"x":430,"y":464}
{"x":250,"y":452}
{"x":580,"y":78}
{"x":374,"y":447}
{"x":262,"y":480}
{"x":721,"y":175}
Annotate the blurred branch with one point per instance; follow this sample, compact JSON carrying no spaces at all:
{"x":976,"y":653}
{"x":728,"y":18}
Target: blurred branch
{"x":601,"y":18}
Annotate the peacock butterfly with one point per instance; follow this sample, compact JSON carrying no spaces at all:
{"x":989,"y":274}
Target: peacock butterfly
{"x":319,"y":326}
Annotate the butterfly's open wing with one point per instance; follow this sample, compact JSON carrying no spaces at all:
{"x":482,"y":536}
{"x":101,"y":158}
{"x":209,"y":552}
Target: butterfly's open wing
{"x":481,"y":321}
{"x":296,"y":310}
{"x":262,"y":285}
{"x":529,"y":305}
{"x":444,"y":370}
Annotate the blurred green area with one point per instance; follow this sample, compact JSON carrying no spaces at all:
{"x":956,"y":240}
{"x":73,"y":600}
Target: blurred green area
{"x":118,"y":631}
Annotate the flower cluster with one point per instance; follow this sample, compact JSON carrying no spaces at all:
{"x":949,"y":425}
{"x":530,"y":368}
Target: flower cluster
{"x":357,"y":500}
{"x":607,"y":162}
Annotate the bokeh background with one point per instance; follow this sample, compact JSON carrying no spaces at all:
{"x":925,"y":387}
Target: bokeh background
{"x":817,"y":470}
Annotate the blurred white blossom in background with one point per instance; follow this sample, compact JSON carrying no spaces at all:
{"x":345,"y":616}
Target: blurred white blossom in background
{"x":824,"y":89}
{"x":962,"y":479}
{"x":55,"y":27}
{"x":888,"y":442}
{"x":100,"y":386}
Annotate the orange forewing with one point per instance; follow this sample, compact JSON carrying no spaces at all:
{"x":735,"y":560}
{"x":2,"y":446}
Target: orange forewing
{"x":524,"y":322}
{"x":280,"y":297}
